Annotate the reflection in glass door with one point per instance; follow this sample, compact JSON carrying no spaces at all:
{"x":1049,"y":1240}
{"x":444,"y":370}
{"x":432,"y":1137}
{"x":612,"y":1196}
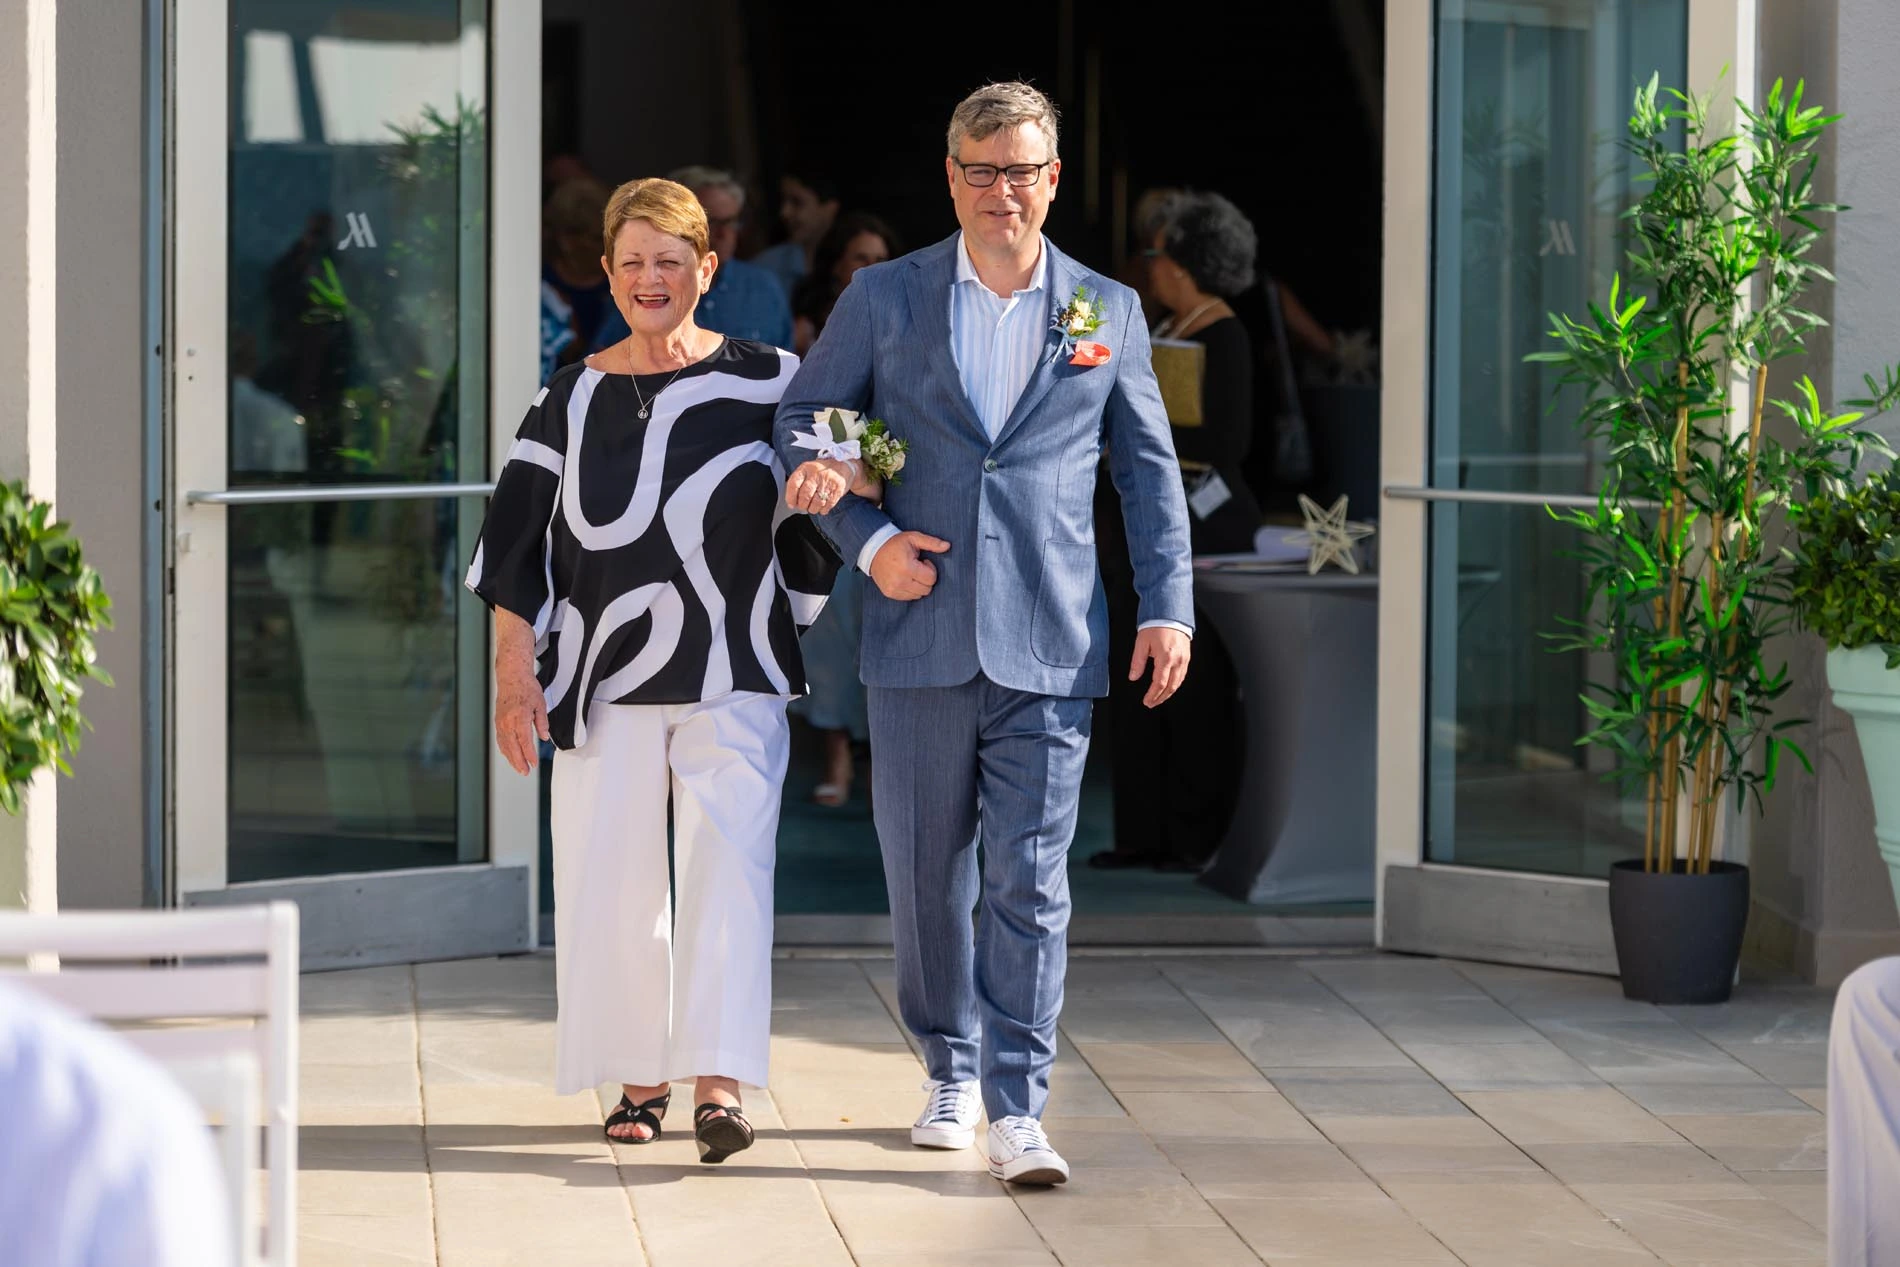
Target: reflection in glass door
{"x":1529,"y":184}
{"x":357,"y":289}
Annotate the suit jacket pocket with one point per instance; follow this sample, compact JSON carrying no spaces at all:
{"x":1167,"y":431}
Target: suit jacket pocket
{"x":1060,"y":636}
{"x":894,"y":630}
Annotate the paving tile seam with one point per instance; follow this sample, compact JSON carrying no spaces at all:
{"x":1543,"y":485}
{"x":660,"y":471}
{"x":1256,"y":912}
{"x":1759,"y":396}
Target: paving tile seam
{"x":1593,"y":1205}
{"x":1515,"y":1146}
{"x":1154,"y":1143}
{"x":626,"y":1188}
{"x":1225,"y":1220}
{"x":897,"y":1023}
{"x":824,"y":1203}
{"x":422,"y":1114}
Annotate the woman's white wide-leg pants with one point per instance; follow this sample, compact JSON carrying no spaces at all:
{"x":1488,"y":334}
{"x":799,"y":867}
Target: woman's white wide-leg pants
{"x":649,"y":991}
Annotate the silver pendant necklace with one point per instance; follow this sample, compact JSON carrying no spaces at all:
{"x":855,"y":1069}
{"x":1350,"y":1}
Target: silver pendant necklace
{"x":646,"y":405}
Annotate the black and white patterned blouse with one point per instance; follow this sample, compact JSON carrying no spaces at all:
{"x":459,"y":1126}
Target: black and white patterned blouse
{"x":655,"y":559}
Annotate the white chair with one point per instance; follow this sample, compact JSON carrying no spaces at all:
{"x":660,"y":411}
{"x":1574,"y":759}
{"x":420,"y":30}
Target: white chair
{"x":179,"y":965}
{"x":228,"y":1089}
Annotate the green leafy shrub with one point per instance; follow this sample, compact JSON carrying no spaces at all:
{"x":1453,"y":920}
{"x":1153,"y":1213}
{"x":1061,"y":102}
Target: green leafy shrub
{"x":1685,"y":594}
{"x":1847,"y":565}
{"x":51,"y":603}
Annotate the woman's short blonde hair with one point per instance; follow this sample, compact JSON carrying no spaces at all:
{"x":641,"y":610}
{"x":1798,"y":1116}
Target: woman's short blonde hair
{"x":669,"y":207}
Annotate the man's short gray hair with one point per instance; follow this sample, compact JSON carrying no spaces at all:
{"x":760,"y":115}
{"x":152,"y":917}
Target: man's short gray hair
{"x":697,"y":178}
{"x":994,"y":107}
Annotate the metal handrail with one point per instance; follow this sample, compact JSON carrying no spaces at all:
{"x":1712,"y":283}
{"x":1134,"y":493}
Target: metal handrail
{"x":1487,"y":497}
{"x":334,"y":493}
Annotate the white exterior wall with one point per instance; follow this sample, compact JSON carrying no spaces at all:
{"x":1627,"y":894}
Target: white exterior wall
{"x":29,"y":355}
{"x":1823,"y":901}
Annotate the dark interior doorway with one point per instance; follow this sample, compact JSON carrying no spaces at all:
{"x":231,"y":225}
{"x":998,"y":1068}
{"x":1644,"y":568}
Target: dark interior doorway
{"x":1276,"y":105}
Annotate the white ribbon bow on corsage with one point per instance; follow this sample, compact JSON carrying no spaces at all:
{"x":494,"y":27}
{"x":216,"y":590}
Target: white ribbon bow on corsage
{"x":835,"y":435}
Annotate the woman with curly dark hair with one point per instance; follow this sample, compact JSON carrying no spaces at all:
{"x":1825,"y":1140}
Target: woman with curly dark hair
{"x":1201,"y":255}
{"x":852,"y":242}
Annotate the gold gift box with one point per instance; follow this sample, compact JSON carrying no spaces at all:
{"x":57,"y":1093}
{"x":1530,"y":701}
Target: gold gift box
{"x":1180,"y":365}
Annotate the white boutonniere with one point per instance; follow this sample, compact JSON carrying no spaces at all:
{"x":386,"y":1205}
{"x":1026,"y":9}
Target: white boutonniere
{"x":847,"y":436}
{"x":1080,"y":317}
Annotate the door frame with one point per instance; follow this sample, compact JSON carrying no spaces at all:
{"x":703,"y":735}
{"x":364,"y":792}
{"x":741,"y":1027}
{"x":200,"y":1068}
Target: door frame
{"x":355,"y":919}
{"x":1421,"y":906}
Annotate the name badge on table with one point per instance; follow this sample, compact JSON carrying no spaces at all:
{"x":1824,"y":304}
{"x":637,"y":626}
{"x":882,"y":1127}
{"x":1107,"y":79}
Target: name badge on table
{"x":1208,"y":495}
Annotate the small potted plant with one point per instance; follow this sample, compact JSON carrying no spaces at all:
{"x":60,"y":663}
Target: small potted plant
{"x":1847,"y":590}
{"x":51,"y":604}
{"x":1686,"y":588}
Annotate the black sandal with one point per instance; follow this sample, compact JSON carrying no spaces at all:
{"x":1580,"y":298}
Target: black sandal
{"x":629,"y":1113}
{"x":721,"y":1130}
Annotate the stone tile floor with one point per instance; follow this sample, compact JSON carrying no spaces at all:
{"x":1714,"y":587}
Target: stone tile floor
{"x":1337,"y":1111}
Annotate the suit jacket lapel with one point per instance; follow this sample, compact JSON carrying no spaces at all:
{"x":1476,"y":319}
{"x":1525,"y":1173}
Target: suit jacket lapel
{"x":1064,"y":276}
{"x":929,"y":287}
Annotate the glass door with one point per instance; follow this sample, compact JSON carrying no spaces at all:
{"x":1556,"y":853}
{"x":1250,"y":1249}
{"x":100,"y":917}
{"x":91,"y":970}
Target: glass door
{"x":1528,"y":183}
{"x":1531,"y":184}
{"x":330,"y":447}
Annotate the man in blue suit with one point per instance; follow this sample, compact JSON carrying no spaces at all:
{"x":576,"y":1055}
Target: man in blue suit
{"x":987,"y":635}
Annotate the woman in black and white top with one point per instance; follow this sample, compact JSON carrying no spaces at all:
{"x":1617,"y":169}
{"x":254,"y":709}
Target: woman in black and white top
{"x":638,"y":543}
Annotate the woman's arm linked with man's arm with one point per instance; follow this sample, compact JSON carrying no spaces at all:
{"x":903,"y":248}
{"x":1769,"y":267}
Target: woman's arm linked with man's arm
{"x":838,"y":374}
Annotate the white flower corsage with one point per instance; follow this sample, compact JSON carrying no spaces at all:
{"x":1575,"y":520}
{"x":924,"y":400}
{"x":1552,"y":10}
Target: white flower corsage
{"x":847,"y":436}
{"x":1080,"y":317}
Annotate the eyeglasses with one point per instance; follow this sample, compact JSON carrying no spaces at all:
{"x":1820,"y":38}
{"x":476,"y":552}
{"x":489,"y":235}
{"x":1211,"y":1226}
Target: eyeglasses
{"x":983,"y":175}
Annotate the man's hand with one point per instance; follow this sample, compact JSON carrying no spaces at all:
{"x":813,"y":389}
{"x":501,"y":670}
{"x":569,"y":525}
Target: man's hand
{"x":1170,"y":650}
{"x":901,"y":571}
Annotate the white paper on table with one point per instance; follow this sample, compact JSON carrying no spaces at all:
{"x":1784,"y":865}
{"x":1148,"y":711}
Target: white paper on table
{"x":1275,"y":544}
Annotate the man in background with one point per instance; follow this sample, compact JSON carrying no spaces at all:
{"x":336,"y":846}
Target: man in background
{"x":809,"y":207}
{"x":744,"y":301}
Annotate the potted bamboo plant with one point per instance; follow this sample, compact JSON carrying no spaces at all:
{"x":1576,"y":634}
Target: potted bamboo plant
{"x":51,"y":604}
{"x":1687,"y":583}
{"x":1847,"y":590}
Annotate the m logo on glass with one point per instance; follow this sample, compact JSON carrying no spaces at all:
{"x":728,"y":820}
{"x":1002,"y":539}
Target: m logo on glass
{"x":360,"y":234}
{"x":1557,"y":238}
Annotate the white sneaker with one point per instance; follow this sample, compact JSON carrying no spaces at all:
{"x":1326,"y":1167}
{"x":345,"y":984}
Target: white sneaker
{"x":1020,"y":1153}
{"x":949,"y":1117}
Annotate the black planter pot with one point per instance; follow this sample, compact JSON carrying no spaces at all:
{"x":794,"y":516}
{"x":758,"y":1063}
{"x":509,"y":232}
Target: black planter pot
{"x":1678,"y":937}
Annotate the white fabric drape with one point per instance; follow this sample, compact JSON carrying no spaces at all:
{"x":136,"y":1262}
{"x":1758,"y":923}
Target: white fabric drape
{"x":1863,"y":1120}
{"x":649,"y":993}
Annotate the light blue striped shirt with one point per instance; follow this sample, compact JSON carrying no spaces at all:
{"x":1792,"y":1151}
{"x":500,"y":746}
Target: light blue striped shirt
{"x":995,"y":340}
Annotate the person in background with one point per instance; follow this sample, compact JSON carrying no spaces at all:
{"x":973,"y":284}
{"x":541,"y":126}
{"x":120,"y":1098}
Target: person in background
{"x":849,"y":245}
{"x":1175,"y":766}
{"x":809,"y":207}
{"x":104,"y":1162}
{"x":744,"y":302}
{"x":1147,"y":217}
{"x":836,"y":705}
{"x":575,"y":300}
{"x":1279,"y":358}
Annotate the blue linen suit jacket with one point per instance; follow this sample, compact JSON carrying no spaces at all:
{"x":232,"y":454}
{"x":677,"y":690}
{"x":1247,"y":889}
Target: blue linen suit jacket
{"x":1018,"y":595}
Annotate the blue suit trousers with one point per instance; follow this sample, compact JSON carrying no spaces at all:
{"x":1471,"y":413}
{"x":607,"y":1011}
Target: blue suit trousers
{"x":954,"y":767}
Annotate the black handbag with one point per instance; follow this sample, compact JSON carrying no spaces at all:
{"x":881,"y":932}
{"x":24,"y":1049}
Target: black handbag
{"x":1292,"y":445}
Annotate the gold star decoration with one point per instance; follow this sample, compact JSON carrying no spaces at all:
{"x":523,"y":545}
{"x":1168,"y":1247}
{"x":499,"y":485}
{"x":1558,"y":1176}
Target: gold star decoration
{"x":1329,"y":536}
